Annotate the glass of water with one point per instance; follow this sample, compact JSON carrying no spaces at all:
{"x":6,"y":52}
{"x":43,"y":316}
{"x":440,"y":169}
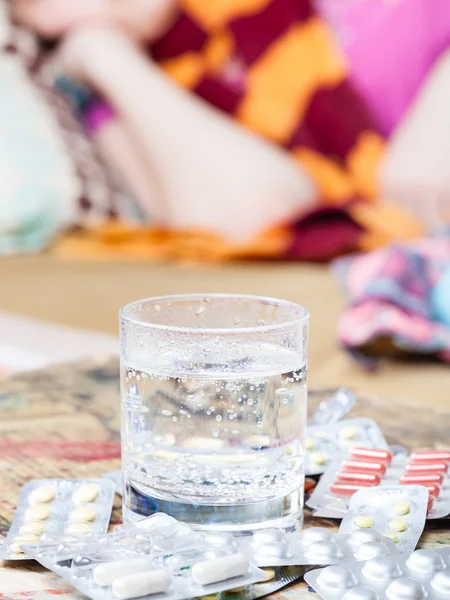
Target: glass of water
{"x":214,"y":410}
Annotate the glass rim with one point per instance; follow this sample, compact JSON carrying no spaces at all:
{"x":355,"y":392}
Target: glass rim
{"x":302,"y":317}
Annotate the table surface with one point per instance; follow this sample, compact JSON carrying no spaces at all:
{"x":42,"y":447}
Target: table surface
{"x":64,"y":422}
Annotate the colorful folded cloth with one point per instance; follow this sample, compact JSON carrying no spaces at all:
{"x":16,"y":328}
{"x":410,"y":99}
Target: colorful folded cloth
{"x":391,"y":307}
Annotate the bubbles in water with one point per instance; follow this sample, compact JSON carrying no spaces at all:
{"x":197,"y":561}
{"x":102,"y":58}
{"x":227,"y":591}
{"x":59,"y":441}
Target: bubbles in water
{"x":200,"y":311}
{"x":215,"y":432}
{"x":174,"y":419}
{"x":219,"y":418}
{"x":166,"y":412}
{"x":281,"y":391}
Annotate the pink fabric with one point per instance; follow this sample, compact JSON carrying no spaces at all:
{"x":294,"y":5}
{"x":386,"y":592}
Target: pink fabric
{"x":391,"y":46}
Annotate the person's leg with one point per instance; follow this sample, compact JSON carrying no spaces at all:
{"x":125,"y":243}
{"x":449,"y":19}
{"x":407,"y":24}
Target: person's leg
{"x":214,"y":174}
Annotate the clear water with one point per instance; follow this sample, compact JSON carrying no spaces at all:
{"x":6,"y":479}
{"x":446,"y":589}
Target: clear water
{"x":216,"y":445}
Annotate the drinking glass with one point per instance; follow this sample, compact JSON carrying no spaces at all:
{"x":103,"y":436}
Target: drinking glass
{"x":214,"y":410}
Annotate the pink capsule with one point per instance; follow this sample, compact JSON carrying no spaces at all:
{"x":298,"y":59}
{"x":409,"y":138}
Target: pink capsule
{"x":430,"y":456}
{"x":346,"y":489}
{"x":433,"y":488}
{"x":376,"y":454}
{"x":413,"y":467}
{"x":355,"y":477}
{"x":430,"y":503}
{"x":421,"y":479}
{"x":359,"y":466}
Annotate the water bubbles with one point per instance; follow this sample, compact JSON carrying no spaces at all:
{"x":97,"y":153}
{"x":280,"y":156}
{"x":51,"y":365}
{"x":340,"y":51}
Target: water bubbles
{"x":174,"y":419}
{"x":219,"y":418}
{"x":215,"y":432}
{"x":250,"y":402}
{"x":212,"y":408}
{"x":282,"y":391}
{"x":235,"y":432}
{"x":182,"y":412}
{"x":200,"y":311}
{"x":157,"y":308}
{"x":231,"y":387}
{"x":166,"y":413}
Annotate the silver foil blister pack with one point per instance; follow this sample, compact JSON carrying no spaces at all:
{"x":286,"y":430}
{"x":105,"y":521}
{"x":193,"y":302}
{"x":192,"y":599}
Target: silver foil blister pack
{"x":323,"y":443}
{"x":421,"y":575}
{"x":313,"y":546}
{"x":398,"y":512}
{"x":343,"y":477}
{"x":159,"y":558}
{"x":50,"y":510}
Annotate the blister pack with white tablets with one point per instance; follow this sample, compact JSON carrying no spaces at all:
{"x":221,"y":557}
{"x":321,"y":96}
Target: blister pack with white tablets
{"x":323,"y":443}
{"x":398,"y":512}
{"x":372,"y":467}
{"x":423,"y":574}
{"x":330,"y":406}
{"x":161,"y":559}
{"x":50,"y":510}
{"x":314,"y":546}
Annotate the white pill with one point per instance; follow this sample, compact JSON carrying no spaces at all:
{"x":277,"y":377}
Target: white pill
{"x":441,"y":582}
{"x":106,"y":573}
{"x":79,"y":529}
{"x":335,"y":578}
{"x":15,"y":548}
{"x":362,"y":536}
{"x":322,"y":551}
{"x":319,"y":458}
{"x":380,"y":569}
{"x":86,"y":493}
{"x":402,"y":508}
{"x":425,"y":561}
{"x":43,"y":494}
{"x":315,"y":534}
{"x":213,"y":571}
{"x":347,"y":433}
{"x":271,"y":550}
{"x":36,"y":527}
{"x":405,"y":588}
{"x":26,"y":537}
{"x":371,"y":550}
{"x":141,"y":584}
{"x":83,"y":514}
{"x":359,"y":593}
{"x":37,"y":512}
{"x":363,"y":521}
{"x":268,"y":536}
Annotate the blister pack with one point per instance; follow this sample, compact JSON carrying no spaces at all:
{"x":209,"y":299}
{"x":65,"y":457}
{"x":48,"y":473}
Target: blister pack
{"x":117,"y":479}
{"x":323,"y":443}
{"x":50,"y":510}
{"x":398,"y":512}
{"x":423,"y":574}
{"x":162,"y":558}
{"x":329,"y":406}
{"x":314,"y":546}
{"x":372,"y":467}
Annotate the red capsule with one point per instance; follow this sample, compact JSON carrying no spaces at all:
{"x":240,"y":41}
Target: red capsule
{"x":433,"y":488}
{"x":354,"y":477}
{"x":430,"y":456}
{"x":359,"y":466}
{"x":377,"y":454}
{"x":422,"y":479}
{"x":346,"y":489}
{"x":413,"y":467}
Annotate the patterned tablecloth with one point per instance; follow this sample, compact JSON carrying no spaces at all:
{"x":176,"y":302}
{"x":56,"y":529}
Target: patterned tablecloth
{"x":64,"y":422}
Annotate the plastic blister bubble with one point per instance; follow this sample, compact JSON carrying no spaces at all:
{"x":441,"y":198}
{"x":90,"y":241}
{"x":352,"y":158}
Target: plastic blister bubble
{"x":52,"y":510}
{"x":420,"y":575}
{"x":323,"y":443}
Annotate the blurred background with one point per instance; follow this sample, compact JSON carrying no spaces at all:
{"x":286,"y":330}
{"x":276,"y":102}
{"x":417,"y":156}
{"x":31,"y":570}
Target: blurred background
{"x":288,"y":148}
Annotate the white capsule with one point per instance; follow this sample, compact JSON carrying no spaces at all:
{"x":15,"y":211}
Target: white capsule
{"x":154,"y":522}
{"x":105,"y":573}
{"x":405,"y":588}
{"x":35,"y":527}
{"x":213,"y":571}
{"x":380,"y":569}
{"x":359,"y":593}
{"x":315,"y":534}
{"x":362,"y":536}
{"x":83,"y":514}
{"x":42,"y":494}
{"x":79,"y":529}
{"x":371,"y":550}
{"x":335,"y":578}
{"x":141,"y":584}
{"x":86,"y":493}
{"x":425,"y":561}
{"x":441,"y":582}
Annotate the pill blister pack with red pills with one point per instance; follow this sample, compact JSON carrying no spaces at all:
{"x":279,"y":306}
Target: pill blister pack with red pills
{"x":50,"y":510}
{"x":398,"y":512}
{"x":422,"y":574}
{"x":371,"y":467}
{"x":326,"y":442}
